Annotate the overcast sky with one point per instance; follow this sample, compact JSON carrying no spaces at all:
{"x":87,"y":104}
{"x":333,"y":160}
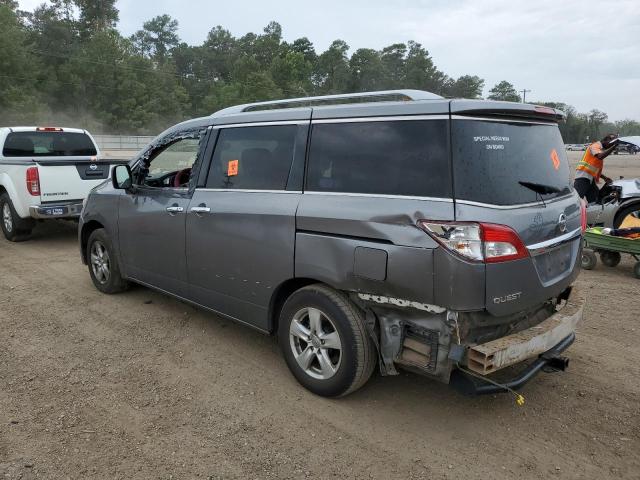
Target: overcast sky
{"x":585,"y":53}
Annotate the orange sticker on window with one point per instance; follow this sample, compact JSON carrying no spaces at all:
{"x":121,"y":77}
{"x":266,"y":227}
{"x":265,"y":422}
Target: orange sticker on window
{"x":555,"y":159}
{"x":232,"y":168}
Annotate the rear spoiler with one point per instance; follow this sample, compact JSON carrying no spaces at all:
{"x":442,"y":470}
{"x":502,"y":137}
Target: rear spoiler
{"x":489,"y":108}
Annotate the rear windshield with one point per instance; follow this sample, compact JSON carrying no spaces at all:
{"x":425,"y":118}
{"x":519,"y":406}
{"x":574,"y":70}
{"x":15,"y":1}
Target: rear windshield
{"x":491,"y":158}
{"x":408,"y":158}
{"x":48,"y":144}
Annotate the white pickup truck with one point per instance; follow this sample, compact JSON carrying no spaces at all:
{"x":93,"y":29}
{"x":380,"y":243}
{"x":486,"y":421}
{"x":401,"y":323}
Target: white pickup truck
{"x":45,"y":173}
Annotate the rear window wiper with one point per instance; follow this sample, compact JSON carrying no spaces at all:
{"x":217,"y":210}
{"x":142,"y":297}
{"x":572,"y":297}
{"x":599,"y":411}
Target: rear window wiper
{"x":541,"y":188}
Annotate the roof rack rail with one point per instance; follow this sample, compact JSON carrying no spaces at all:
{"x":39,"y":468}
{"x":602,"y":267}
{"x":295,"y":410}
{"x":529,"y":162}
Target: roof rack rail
{"x":362,"y":97}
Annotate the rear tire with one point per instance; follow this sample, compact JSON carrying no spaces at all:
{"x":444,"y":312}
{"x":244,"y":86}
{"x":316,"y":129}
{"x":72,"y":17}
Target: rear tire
{"x":610,"y":259}
{"x":636,"y":270}
{"x":325,"y":341}
{"x":103,"y":264}
{"x":14,"y":228}
{"x":588,"y":259}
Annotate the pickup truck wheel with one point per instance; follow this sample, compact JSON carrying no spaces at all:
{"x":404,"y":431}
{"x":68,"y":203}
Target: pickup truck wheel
{"x":15,"y":229}
{"x":325,"y":341}
{"x":103,"y":264}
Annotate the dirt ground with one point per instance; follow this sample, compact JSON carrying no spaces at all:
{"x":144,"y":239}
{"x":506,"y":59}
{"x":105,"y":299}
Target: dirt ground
{"x":139,"y":385}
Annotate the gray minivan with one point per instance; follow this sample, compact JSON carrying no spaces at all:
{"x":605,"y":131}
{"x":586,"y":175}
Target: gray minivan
{"x":395,"y":228}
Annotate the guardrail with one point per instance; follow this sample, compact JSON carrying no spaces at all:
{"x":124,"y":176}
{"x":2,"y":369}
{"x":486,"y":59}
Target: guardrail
{"x":122,"y":142}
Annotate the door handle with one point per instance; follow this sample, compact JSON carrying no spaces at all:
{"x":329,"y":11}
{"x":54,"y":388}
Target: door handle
{"x":175,"y":209}
{"x":200,"y":209}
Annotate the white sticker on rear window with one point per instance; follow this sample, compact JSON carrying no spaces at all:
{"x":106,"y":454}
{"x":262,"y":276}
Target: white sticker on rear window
{"x":492,"y":138}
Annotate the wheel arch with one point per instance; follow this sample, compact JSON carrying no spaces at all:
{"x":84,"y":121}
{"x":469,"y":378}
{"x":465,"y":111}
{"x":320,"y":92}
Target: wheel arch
{"x":632,"y":202}
{"x":280,"y":296}
{"x":87,"y":229}
{"x":7,"y":186}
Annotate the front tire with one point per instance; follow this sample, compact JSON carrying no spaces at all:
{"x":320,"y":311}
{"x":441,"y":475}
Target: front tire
{"x":325,"y":341}
{"x":103,"y":264}
{"x":14,"y":228}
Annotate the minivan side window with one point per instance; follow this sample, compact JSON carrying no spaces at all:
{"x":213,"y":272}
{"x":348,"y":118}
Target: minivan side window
{"x":396,"y":157}
{"x":178,"y":156}
{"x":253,"y":158}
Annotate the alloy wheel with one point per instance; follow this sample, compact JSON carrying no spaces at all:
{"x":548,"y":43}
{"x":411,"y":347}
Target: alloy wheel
{"x":7,"y":219}
{"x":100,"y":262}
{"x":315,"y":343}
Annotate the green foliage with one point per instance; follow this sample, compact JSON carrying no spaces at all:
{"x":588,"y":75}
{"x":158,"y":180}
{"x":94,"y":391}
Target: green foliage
{"x":11,"y":4}
{"x":65,"y":62}
{"x":588,"y":127}
{"x":18,"y":72}
{"x":156,"y":38}
{"x":96,"y":15}
{"x":332,"y":72}
{"x":627,"y":127}
{"x":466,"y":86}
{"x":504,"y":91}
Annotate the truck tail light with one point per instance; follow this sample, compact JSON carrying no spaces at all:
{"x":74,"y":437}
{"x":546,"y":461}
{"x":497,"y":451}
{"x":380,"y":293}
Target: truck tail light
{"x":33,"y":181}
{"x":583,"y":215}
{"x":49,"y":129}
{"x":478,"y":242}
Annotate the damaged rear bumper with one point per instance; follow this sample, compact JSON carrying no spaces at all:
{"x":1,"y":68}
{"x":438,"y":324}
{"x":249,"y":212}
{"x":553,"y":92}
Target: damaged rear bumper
{"x":444,"y":345}
{"x":503,"y":352}
{"x":469,"y":385}
{"x":544,"y":343}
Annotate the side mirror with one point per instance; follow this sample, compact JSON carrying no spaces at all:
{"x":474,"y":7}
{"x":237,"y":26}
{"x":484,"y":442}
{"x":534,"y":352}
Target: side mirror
{"x":121,"y":177}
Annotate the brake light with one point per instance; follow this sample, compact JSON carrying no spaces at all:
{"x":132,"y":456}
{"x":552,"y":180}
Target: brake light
{"x":583,"y":215}
{"x":478,"y":242}
{"x":541,"y":109}
{"x":501,"y":243}
{"x":49,"y":129}
{"x":33,"y":181}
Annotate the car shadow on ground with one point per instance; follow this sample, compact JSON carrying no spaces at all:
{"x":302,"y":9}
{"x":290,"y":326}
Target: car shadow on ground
{"x":54,"y":231}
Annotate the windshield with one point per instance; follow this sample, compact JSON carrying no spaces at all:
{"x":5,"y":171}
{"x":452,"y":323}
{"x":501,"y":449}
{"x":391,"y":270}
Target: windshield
{"x":48,"y":144}
{"x":499,"y":162}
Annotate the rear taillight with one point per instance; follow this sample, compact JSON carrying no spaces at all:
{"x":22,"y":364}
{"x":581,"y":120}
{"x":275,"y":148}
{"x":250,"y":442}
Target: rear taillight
{"x":49,"y":129}
{"x":478,"y":242}
{"x":501,"y":243}
{"x":583,"y":214}
{"x":33,"y":181}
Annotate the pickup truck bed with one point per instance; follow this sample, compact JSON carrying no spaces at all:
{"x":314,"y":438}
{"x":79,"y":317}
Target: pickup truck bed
{"x":46,"y":173}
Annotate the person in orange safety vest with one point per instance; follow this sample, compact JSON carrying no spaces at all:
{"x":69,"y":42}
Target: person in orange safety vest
{"x":589,"y":169}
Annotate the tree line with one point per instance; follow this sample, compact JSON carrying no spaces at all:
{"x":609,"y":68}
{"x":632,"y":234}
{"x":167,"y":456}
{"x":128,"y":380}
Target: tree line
{"x":66,"y":62}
